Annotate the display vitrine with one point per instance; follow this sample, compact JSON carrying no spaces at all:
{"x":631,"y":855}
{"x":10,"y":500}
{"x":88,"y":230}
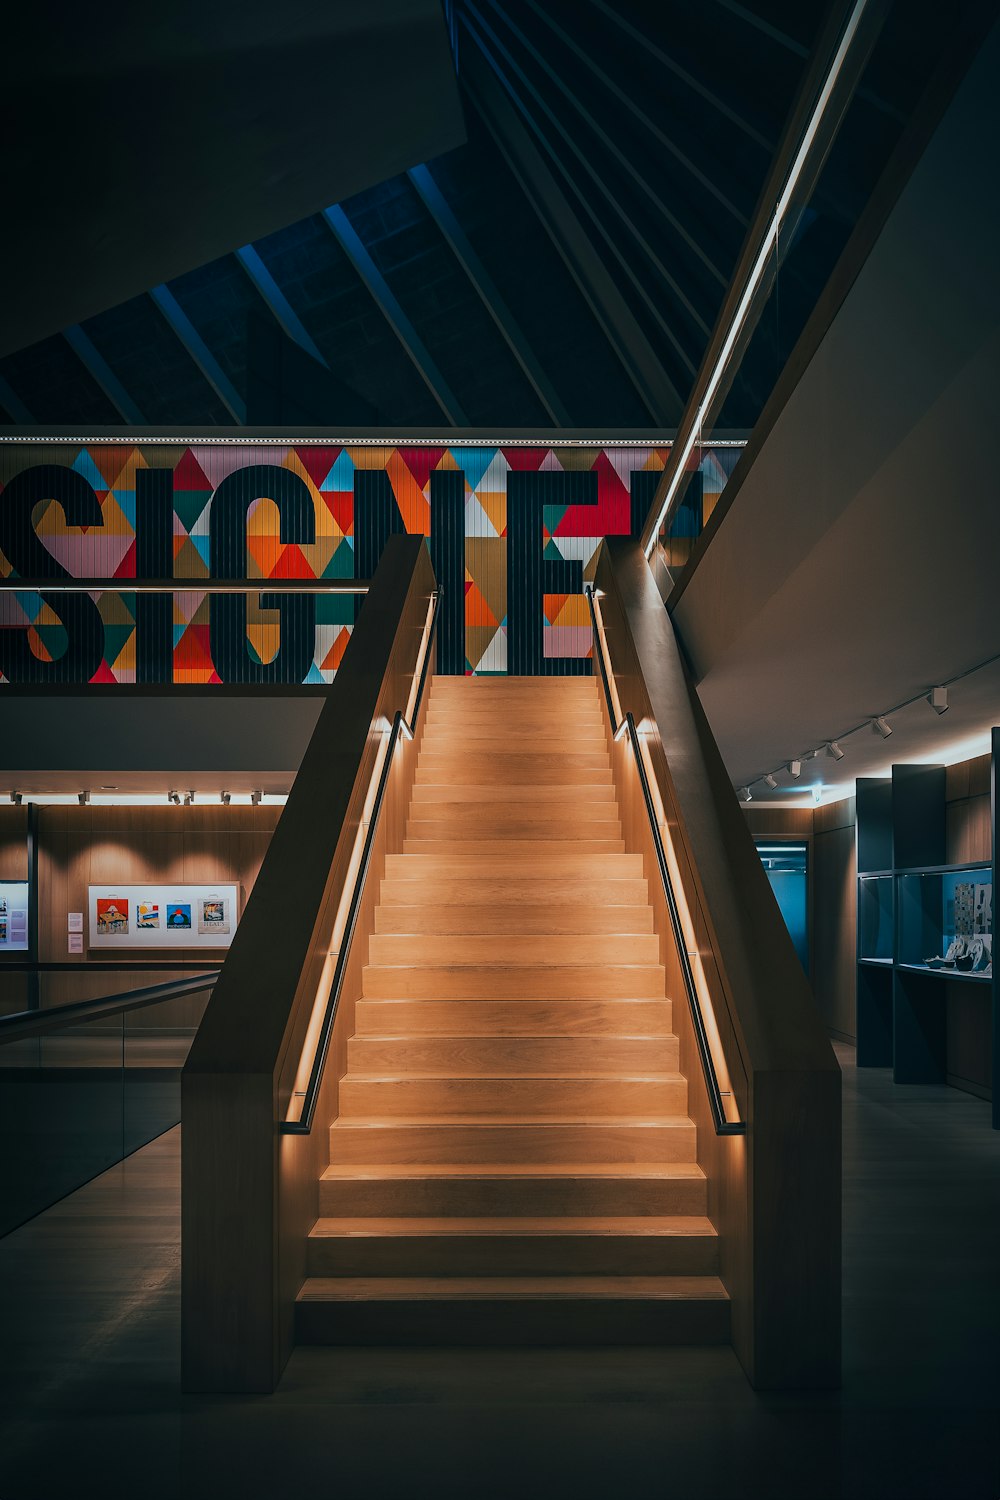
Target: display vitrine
{"x":925,"y":927}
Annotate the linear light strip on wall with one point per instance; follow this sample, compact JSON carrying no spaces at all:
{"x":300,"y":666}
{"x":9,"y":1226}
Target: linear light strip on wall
{"x":769,"y":240}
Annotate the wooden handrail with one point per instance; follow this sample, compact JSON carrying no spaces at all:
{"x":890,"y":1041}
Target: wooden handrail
{"x":774,"y":1193}
{"x":249,"y":1192}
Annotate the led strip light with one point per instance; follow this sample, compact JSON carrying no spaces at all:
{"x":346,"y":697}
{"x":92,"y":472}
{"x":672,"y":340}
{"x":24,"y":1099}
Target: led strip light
{"x":756,"y":275}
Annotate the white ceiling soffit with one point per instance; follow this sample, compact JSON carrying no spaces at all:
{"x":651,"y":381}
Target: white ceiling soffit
{"x":857,"y":566}
{"x":152,"y":743}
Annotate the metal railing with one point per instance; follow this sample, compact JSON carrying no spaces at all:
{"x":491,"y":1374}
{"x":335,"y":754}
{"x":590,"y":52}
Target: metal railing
{"x":626,"y":726}
{"x":83,"y":1085}
{"x":401,"y":728}
{"x":34,"y":1022}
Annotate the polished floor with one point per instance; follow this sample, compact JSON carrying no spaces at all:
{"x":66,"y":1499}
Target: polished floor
{"x":89,"y":1322}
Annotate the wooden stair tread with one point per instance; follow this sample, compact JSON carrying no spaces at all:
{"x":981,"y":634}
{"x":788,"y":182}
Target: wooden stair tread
{"x":487,"y":1122}
{"x":618,"y":1076}
{"x":670,"y":1171}
{"x":649,"y":1225}
{"x":501,"y":1180}
{"x":511,"y":1288}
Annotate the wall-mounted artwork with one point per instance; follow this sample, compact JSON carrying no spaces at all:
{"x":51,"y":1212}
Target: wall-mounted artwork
{"x":513,"y":531}
{"x":13,"y":916}
{"x":168,"y":916}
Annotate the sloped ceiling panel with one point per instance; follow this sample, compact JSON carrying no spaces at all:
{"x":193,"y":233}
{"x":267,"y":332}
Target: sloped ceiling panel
{"x":148,"y":141}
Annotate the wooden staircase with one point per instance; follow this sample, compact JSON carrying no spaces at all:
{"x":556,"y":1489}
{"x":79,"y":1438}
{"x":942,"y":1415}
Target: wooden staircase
{"x":513,"y":1161}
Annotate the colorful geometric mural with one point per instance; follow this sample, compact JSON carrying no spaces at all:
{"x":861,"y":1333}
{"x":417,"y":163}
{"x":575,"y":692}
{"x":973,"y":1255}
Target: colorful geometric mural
{"x":305,"y":510}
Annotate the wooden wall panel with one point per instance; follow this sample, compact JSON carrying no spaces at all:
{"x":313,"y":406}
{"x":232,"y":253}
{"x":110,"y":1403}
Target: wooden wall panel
{"x":776,"y":1190}
{"x":249,"y":1191}
{"x":968,"y":825}
{"x":83,"y":846}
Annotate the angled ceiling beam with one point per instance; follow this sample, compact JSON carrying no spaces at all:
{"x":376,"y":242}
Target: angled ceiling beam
{"x":668,"y":63}
{"x":12,"y":403}
{"x":600,"y":184}
{"x":838,"y":61}
{"x":598,"y":287}
{"x":200,"y":353}
{"x":276,"y":302}
{"x":350,"y":242}
{"x":434,"y":201}
{"x":103,"y":375}
{"x":605,"y":79}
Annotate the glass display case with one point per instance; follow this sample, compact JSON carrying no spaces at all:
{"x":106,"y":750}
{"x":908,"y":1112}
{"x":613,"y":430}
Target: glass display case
{"x":875,"y":928}
{"x":946,"y":921}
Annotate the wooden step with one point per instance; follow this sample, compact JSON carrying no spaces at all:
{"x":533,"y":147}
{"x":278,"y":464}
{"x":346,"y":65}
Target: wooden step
{"x":565,"y":840}
{"x":525,"y":850}
{"x":392,"y":1096}
{"x":520,"y":1056}
{"x":455,"y":918}
{"x":623,"y":1189}
{"x":514,"y":761}
{"x":422,"y":1139}
{"x":429,"y":793}
{"x":462,"y":819}
{"x":575,"y":891}
{"x":555,"y":1245}
{"x":578,"y":1311}
{"x":546,"y":689}
{"x":488,"y":772}
{"x":467,"y":724}
{"x":506,"y":734}
{"x":480,"y":982}
{"x":413,"y":950}
{"x":475,"y":864}
{"x":509,"y":1018}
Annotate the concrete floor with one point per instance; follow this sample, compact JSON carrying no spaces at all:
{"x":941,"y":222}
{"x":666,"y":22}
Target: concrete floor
{"x":89,"y":1320}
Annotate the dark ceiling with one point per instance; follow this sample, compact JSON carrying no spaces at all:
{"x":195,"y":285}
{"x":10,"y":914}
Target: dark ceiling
{"x":562,"y":268}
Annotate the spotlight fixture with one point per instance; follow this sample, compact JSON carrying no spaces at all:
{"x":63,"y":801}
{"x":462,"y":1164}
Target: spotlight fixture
{"x":744,"y":794}
{"x":83,"y":798}
{"x":938,"y":699}
{"x":175,"y":798}
{"x":255,"y":797}
{"x":16,"y":798}
{"x":881,"y":727}
{"x":770,"y":779}
{"x":188,"y":799}
{"x":834,"y":751}
{"x":224,"y":798}
{"x":795,"y":769}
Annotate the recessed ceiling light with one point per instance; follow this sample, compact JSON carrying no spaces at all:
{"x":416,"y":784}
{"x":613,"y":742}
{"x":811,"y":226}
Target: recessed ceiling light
{"x":109,"y":788}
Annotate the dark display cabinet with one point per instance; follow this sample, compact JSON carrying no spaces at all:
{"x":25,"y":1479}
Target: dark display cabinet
{"x":924,"y":926}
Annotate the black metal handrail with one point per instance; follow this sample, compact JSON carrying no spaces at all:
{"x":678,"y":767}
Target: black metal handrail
{"x":400,"y":727}
{"x":715,"y":1093}
{"x":53,"y":1018}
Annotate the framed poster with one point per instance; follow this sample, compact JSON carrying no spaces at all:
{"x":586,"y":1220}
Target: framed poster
{"x":162,"y":916}
{"x":13,"y":916}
